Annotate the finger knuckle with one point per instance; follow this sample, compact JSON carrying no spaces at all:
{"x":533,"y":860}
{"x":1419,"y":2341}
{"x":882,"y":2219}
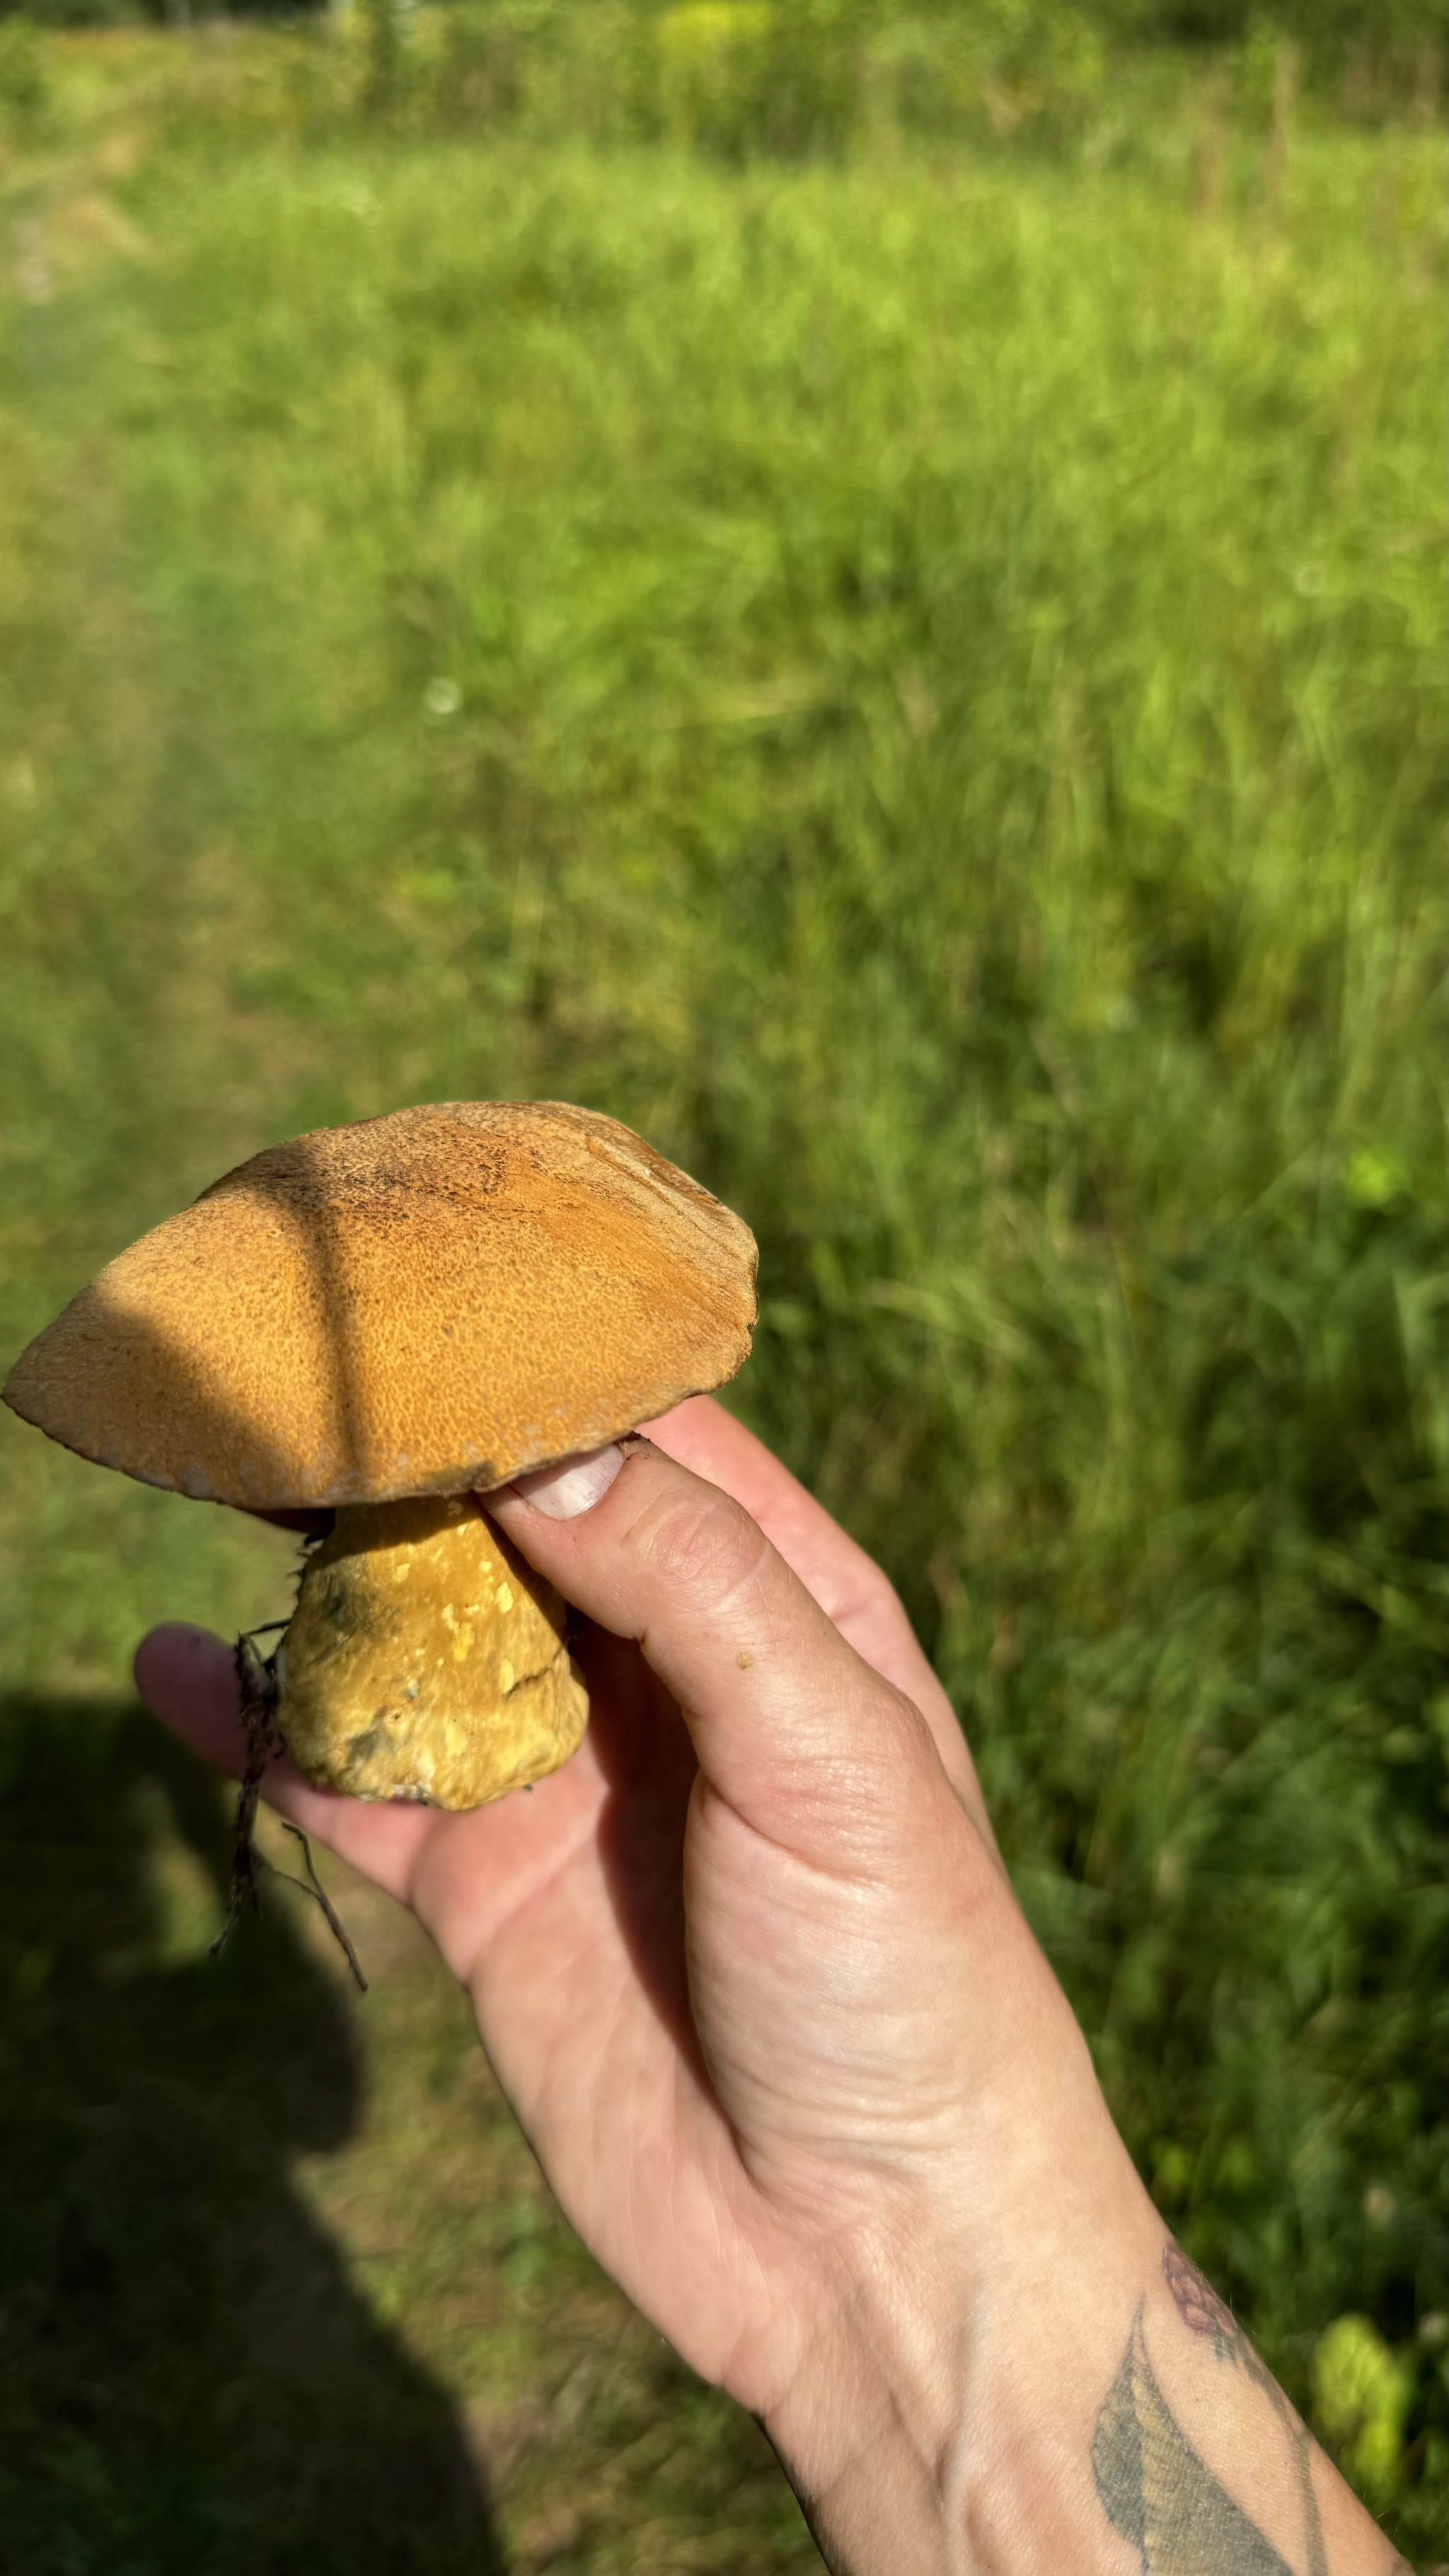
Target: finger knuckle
{"x":903,"y":1742}
{"x":705,"y":1549}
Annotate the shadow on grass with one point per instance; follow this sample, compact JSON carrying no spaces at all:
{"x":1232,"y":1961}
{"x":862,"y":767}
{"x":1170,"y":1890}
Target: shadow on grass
{"x":188,"y":2384}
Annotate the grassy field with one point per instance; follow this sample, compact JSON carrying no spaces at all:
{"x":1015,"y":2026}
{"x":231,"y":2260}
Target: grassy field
{"x":916,"y":680}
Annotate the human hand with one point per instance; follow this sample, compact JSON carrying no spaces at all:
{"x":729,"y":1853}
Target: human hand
{"x":753,"y":1978}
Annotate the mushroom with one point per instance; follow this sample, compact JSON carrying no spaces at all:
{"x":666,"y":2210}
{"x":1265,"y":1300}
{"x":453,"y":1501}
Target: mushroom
{"x":382,"y":1321}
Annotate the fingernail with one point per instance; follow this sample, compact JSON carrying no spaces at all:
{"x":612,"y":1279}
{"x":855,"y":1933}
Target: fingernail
{"x":573,"y":1486}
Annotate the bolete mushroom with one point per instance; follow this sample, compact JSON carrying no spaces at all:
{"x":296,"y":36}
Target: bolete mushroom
{"x":381,"y":1321}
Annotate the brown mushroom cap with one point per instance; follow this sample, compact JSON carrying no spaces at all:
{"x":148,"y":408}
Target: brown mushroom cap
{"x":416,"y":1304}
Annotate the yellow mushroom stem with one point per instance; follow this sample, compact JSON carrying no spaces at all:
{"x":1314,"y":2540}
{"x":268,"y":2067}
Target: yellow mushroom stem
{"x":425,"y":1660}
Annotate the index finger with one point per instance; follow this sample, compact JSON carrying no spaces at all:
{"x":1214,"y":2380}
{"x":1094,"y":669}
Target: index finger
{"x":849,"y":1586}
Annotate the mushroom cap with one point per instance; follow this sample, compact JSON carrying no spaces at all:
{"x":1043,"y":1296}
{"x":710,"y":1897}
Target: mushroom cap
{"x":418,"y":1304}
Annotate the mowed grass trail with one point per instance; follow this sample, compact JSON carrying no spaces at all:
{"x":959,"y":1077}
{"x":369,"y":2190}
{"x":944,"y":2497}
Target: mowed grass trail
{"x":918,"y":685}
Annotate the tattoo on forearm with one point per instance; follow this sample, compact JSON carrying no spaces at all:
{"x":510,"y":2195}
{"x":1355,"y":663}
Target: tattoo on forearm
{"x":1204,"y":2313}
{"x":1159,"y":2494}
{"x":1154,"y":2487}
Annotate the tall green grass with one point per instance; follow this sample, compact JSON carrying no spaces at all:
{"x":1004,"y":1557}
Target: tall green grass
{"x":917,"y":683}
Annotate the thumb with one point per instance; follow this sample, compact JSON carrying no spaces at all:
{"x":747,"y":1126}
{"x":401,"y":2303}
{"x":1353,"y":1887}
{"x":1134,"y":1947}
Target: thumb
{"x":790,"y":1726}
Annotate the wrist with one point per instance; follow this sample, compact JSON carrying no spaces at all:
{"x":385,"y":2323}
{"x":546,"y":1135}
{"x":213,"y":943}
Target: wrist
{"x":940,"y":2423}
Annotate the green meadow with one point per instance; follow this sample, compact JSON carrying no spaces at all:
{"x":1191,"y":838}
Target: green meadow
{"x":903,"y":657}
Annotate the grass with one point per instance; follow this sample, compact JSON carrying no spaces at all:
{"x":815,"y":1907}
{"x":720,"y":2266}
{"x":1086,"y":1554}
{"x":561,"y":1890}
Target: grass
{"x":918,"y":683}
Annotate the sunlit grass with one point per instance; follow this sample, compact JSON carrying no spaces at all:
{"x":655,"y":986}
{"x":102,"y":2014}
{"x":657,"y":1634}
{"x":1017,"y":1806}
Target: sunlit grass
{"x":919,"y":685}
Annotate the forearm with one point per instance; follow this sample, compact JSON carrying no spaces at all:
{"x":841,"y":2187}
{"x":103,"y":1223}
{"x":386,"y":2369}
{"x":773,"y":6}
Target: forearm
{"x":1096,"y":2409}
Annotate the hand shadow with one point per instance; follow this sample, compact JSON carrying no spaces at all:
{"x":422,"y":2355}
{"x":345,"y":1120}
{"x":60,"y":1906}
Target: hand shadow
{"x":188,"y":2385}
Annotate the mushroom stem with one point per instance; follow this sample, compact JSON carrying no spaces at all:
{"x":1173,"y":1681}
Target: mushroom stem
{"x":425,"y":1660}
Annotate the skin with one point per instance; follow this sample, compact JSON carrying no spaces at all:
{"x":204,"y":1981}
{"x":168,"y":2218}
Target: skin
{"x":754,"y":1979}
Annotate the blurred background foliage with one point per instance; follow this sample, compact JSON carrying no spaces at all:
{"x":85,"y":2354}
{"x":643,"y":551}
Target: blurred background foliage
{"x":761,"y":74}
{"x":864,"y":592}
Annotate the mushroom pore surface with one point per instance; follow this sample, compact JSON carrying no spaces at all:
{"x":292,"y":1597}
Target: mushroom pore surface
{"x":425,"y":1660}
